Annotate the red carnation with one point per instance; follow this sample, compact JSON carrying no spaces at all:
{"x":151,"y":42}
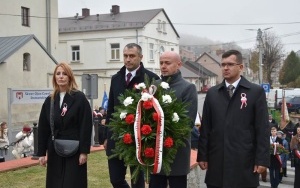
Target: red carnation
{"x":155,"y":116}
{"x":146,"y":129}
{"x":147,"y":104}
{"x":149,"y":152}
{"x":129,"y":119}
{"x":127,"y":138}
{"x":168,"y":142}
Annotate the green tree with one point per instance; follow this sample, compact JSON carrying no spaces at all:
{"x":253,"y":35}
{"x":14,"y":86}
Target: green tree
{"x":290,"y":71}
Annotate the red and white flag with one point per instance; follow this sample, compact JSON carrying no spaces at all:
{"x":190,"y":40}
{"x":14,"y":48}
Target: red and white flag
{"x":284,"y":113}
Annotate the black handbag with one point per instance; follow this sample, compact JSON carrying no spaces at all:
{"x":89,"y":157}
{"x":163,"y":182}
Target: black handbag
{"x":63,"y":148}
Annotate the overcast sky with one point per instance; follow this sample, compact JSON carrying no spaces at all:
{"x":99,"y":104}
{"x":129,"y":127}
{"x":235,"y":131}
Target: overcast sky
{"x":217,"y":20}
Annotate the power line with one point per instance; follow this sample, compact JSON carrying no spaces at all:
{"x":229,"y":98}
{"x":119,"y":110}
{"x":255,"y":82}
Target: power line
{"x":174,"y":23}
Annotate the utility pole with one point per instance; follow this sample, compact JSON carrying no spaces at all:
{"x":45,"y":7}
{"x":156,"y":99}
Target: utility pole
{"x":261,"y":50}
{"x":260,"y":46}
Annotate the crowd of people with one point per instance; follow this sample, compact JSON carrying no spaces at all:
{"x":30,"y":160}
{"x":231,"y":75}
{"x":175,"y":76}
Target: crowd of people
{"x":236,"y":138}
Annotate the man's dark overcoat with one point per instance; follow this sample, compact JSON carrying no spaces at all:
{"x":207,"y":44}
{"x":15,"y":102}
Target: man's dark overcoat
{"x":118,"y":87}
{"x":187,"y":93}
{"x":234,"y":138}
{"x":76,"y":124}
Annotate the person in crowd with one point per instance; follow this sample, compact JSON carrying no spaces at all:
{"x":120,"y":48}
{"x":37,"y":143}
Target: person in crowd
{"x":295,"y":147}
{"x":133,"y":72}
{"x":275,"y":160}
{"x":287,"y":129}
{"x":72,"y":121}
{"x":4,"y":142}
{"x":284,"y":156}
{"x":24,"y":143}
{"x":195,"y":132}
{"x":97,"y":117}
{"x":297,"y":124}
{"x":101,"y":131}
{"x":234,"y":135}
{"x":272,"y":122}
{"x":103,"y":112}
{"x":170,"y":63}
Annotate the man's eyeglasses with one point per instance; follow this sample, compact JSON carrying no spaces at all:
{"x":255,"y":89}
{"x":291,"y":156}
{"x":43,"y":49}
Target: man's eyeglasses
{"x":229,"y":65}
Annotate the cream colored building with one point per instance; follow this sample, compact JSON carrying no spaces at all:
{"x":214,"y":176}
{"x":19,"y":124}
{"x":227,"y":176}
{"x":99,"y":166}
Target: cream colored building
{"x":28,"y":43}
{"x":93,"y":44}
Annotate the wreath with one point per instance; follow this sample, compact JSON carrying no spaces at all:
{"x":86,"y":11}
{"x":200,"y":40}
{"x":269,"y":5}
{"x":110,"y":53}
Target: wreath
{"x":279,"y":149}
{"x":149,"y":126}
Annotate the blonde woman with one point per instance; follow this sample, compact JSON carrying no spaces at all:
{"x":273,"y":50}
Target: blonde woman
{"x":72,"y":121}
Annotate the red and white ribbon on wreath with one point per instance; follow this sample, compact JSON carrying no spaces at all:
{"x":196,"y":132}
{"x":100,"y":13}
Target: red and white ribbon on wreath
{"x":277,"y":155}
{"x":159,"y":132}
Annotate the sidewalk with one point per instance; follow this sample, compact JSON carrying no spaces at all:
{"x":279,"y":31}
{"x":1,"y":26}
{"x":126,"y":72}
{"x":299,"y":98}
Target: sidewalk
{"x":27,"y":162}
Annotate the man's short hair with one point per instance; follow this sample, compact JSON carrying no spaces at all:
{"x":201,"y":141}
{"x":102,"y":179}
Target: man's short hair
{"x":237,"y":53}
{"x":132,"y":45}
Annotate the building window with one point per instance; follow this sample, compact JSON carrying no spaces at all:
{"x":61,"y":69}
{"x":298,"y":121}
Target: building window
{"x":172,"y":49}
{"x":151,"y":51}
{"x":115,"y":51}
{"x":25,"y":16}
{"x":161,"y":50}
{"x":75,"y":53}
{"x":164,"y":27}
{"x":159,"y":26}
{"x":26,"y":62}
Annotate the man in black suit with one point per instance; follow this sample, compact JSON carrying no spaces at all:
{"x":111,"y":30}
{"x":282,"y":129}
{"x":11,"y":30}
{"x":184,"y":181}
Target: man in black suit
{"x":131,"y":73}
{"x":234,"y":140}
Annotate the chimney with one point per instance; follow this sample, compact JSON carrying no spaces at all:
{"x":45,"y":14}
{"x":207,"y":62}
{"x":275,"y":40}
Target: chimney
{"x":115,"y":9}
{"x":85,"y":12}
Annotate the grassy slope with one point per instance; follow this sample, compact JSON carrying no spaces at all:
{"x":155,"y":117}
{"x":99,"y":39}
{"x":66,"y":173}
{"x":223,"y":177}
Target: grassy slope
{"x":35,"y":176}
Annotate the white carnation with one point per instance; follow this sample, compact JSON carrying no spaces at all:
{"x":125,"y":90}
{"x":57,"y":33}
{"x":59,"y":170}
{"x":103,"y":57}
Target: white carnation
{"x":166,"y":98}
{"x":128,"y":101}
{"x":140,"y":86}
{"x":175,"y":117}
{"x":165,"y":85}
{"x":123,"y":115}
{"x":146,"y":96}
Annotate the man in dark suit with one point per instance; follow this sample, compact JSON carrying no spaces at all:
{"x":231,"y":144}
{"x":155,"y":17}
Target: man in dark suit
{"x":234,"y":140}
{"x":131,"y":73}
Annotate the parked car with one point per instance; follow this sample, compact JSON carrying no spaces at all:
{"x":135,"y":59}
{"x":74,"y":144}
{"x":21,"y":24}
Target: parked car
{"x":275,"y":96}
{"x":292,"y":103}
{"x":287,"y":98}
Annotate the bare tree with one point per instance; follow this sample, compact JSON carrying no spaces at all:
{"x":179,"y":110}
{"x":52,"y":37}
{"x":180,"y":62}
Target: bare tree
{"x":273,"y":54}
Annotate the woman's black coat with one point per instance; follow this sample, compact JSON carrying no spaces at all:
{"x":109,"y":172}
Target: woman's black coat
{"x":76,"y":124}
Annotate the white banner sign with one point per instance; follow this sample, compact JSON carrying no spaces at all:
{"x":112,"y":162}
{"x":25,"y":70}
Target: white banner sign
{"x":29,"y":96}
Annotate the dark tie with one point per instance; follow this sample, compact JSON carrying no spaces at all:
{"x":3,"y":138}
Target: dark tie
{"x":230,"y":89}
{"x":128,"y":78}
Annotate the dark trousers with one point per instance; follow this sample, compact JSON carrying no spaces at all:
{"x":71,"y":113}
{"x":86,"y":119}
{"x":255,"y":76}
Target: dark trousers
{"x":297,"y":176}
{"x":274,"y":176}
{"x":161,"y":181}
{"x":117,"y":172}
